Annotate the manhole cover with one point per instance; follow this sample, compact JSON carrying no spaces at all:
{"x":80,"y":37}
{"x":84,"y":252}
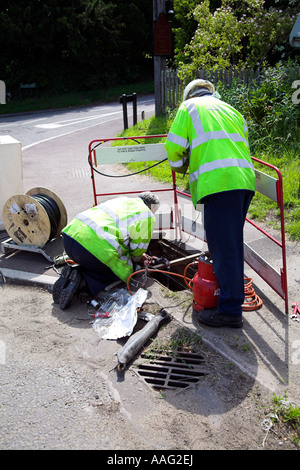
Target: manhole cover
{"x":173,"y":370}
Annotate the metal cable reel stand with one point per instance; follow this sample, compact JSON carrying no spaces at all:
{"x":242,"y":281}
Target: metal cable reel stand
{"x":34,"y":222}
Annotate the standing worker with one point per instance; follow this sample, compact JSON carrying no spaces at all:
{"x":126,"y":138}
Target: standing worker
{"x":210,"y":138}
{"x":105,"y":241}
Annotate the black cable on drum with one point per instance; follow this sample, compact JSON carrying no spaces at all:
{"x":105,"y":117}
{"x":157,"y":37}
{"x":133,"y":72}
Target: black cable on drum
{"x":52,"y":211}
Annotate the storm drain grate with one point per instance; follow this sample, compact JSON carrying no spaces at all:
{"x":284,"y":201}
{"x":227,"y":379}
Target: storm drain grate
{"x":174,"y":370}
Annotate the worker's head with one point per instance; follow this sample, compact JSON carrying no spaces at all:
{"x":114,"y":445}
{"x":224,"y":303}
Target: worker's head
{"x":151,"y":200}
{"x":197,"y":88}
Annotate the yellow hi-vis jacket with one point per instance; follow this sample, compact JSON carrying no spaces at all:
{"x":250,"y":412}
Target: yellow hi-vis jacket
{"x":114,"y":232}
{"x":210,"y":138}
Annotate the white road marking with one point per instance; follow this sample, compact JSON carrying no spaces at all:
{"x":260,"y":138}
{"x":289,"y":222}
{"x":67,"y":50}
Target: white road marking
{"x":71,"y":122}
{"x":63,"y":135}
{"x":17,"y":123}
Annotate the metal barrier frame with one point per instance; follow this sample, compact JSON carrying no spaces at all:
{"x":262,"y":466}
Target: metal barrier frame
{"x":265,"y":184}
{"x":273,"y":189}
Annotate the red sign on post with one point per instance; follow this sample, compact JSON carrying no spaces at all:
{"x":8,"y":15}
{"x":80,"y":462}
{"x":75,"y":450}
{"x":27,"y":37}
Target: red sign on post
{"x":162,"y":36}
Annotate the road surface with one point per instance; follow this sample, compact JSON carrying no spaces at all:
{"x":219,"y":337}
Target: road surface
{"x":42,"y":126}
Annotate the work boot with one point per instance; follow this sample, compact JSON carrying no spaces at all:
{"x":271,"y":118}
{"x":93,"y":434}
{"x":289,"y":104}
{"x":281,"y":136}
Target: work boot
{"x":70,"y":289}
{"x":60,"y":283}
{"x":216,"y":319}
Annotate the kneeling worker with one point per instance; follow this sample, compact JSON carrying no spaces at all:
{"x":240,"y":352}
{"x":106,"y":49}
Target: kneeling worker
{"x":105,"y":241}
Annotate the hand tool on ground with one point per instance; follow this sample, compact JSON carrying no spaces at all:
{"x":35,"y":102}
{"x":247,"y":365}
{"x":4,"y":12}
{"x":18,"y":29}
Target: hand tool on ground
{"x":296,"y":310}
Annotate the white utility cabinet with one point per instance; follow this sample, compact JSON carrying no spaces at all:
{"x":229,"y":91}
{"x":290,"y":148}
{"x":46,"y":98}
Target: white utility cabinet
{"x":11,"y":171}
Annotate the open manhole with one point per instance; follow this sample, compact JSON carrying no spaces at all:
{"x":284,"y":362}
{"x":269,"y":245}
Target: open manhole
{"x":174,"y":370}
{"x":179,"y":258}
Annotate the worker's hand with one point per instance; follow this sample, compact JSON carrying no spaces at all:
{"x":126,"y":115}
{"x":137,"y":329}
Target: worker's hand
{"x":145,"y":258}
{"x":184,"y":167}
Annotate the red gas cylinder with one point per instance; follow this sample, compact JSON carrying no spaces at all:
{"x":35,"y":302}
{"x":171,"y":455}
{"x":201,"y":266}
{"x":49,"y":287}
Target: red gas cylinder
{"x":205,"y":286}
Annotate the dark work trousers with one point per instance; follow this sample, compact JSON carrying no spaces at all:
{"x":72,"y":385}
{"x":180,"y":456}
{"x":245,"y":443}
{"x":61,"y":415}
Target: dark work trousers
{"x":96,"y":274}
{"x":224,"y":218}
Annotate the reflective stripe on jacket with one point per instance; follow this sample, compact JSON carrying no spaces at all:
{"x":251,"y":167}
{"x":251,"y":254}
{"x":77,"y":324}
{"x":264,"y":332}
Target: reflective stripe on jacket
{"x":210,"y":138}
{"x":114,"y":232}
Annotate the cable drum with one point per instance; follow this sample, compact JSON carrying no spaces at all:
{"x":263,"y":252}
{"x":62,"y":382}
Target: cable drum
{"x":34,"y":218}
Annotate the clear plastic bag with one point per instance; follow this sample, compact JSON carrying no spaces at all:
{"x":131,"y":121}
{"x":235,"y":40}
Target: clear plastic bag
{"x":120,"y":314}
{"x":106,"y":309}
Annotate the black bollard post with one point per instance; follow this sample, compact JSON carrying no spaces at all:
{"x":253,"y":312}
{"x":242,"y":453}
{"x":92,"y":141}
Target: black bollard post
{"x":124,"y":99}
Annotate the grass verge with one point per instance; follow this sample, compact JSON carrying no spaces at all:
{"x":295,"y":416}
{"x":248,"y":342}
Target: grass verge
{"x":288,"y":414}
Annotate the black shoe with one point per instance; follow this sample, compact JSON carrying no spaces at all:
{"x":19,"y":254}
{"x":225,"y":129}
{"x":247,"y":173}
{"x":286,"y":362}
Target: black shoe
{"x":214,"y":318}
{"x":60,"y":283}
{"x":70,"y":289}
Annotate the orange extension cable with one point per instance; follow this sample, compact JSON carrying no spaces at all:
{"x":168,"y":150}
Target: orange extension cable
{"x":156,"y":271}
{"x":252,"y":301}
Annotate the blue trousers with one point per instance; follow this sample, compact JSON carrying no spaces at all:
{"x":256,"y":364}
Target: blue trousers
{"x":96,"y":274}
{"x":224,"y":219}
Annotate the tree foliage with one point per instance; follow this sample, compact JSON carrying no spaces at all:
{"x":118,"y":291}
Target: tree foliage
{"x":78,"y":44}
{"x":236,"y":32}
{"x":87,"y":44}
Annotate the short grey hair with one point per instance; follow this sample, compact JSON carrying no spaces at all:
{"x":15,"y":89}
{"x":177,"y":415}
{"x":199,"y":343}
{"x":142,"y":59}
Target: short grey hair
{"x":149,"y":199}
